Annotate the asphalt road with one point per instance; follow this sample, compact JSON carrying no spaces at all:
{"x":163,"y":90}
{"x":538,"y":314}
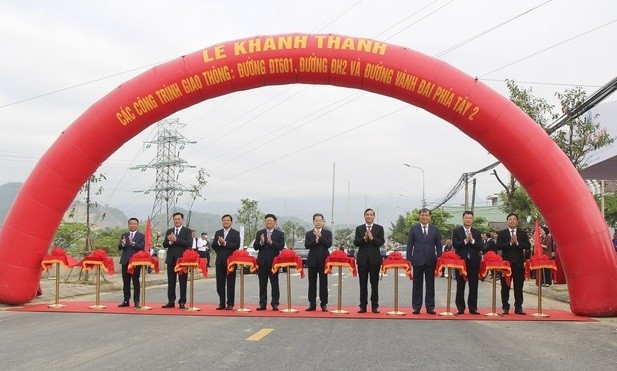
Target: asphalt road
{"x":105,"y":341}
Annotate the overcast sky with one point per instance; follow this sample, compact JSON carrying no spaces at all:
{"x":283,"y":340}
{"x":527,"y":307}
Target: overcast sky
{"x":61,"y":57}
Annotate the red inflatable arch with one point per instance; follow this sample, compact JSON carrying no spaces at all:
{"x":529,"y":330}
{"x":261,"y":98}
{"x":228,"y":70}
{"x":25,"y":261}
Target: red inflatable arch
{"x":552,"y":182}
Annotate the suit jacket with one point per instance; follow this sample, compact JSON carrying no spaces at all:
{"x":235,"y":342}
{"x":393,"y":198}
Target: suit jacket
{"x":368,"y":251}
{"x":467,"y":250}
{"x":423,"y":250}
{"x":490,"y":245}
{"x":184,"y":241}
{"x":267,"y":252}
{"x":130,"y":250}
{"x":318,"y":250}
{"x":232,"y":243}
{"x":515,"y":254}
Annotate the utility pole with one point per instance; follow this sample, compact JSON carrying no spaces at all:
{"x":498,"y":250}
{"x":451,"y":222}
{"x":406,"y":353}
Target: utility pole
{"x":168,"y":165}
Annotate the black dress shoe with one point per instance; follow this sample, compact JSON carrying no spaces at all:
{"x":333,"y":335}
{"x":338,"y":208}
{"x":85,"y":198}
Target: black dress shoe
{"x":474,"y":312}
{"x":263,"y":307}
{"x":431,"y":312}
{"x":375,"y":310}
{"x":125,"y":304}
{"x":519,"y":311}
{"x":416,"y":311}
{"x":220,"y":307}
{"x":275,"y":308}
{"x":181,"y":306}
{"x":461,"y":312}
{"x":362,"y":310}
{"x":168,"y":305}
{"x":506,"y":311}
{"x":229,"y":307}
{"x":324,"y":308}
{"x":310,"y":308}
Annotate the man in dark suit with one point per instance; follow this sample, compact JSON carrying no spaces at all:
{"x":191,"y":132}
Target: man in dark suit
{"x":130,"y":243}
{"x":268,"y":242}
{"x":467,"y":242}
{"x":369,"y":238}
{"x":318,"y":241}
{"x":491,"y":242}
{"x":226,"y":241}
{"x":513,"y":242}
{"x":177,"y":240}
{"x":423,"y":249}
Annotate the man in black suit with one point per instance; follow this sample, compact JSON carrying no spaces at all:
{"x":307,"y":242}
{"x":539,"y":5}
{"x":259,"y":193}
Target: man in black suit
{"x":130,"y":243}
{"x":513,"y":242}
{"x":268,"y":242}
{"x":226,"y":241}
{"x":423,"y":249}
{"x":491,"y":242}
{"x":369,"y":238}
{"x":467,"y":242}
{"x":177,"y":240}
{"x":318,"y":241}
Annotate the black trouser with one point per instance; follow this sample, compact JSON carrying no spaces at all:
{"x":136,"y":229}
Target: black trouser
{"x":208,"y":257}
{"x":518,"y":277}
{"x":264,"y":273}
{"x":473,"y":268}
{"x":171,"y":284}
{"x":312,"y":285}
{"x":223,"y":279}
{"x":364,"y":271}
{"x":126,"y":283}
{"x":547,"y":279}
{"x":419,"y":274}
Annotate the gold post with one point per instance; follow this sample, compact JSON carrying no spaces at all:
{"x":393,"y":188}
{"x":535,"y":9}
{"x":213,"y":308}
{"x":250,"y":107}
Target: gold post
{"x":494,"y":307}
{"x":242,"y":308}
{"x":144,"y":271}
{"x":396,"y":312}
{"x":339,"y":310}
{"x":57,"y":301}
{"x":191,"y":297}
{"x":97,"y":304}
{"x":289,"y":309}
{"x":448,"y":312}
{"x":540,"y":279}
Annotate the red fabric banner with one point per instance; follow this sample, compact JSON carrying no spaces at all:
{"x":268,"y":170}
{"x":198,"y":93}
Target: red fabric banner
{"x":339,"y":258}
{"x":98,"y":258}
{"x":288,"y":258}
{"x":143,"y":258}
{"x":450,"y":259}
{"x":242,"y":258}
{"x":396,"y":260}
{"x":190,"y":258}
{"x":148,"y":238}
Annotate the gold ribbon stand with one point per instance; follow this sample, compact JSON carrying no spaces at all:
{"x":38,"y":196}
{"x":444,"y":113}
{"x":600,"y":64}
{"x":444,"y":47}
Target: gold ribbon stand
{"x":289,"y":309}
{"x":448,"y":311}
{"x":191,"y":307}
{"x":97,"y":304}
{"x":142,"y":295}
{"x":493,"y":312}
{"x":242,"y":309}
{"x":57,"y":304}
{"x":540,"y":279}
{"x":338,"y":309}
{"x":396,"y":312}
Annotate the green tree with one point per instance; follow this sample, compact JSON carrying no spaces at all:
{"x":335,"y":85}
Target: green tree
{"x":343,"y":237}
{"x":89,"y":190}
{"x":250,"y":216}
{"x":108,"y":238}
{"x":195,"y":191}
{"x":610,"y":209}
{"x":293,"y":232}
{"x":68,"y":235}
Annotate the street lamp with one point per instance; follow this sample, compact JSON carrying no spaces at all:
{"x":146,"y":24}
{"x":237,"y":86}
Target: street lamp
{"x":423,"y":183}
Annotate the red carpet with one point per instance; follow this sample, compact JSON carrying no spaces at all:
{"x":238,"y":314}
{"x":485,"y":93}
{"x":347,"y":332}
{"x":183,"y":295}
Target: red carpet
{"x":209,"y":310}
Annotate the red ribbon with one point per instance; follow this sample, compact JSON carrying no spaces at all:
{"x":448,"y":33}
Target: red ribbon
{"x":450,"y":259}
{"x":288,"y":258}
{"x":143,"y":258}
{"x":339,"y":258}
{"x":493,"y":261}
{"x":190,"y":258}
{"x":98,"y":258}
{"x":243,"y":258}
{"x":396,"y":260}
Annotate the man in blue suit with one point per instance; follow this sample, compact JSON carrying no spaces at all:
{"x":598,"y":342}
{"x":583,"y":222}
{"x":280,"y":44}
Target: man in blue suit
{"x":423,"y":249}
{"x":130,"y":243}
{"x":269,"y":242}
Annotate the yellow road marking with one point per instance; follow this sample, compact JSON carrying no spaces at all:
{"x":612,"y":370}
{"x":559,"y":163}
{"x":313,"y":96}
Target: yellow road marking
{"x":260,"y":334}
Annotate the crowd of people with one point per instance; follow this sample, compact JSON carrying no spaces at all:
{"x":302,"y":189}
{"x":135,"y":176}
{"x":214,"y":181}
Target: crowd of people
{"x":424,"y":247}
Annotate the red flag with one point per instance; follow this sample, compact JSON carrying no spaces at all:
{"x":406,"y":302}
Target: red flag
{"x":537,"y":244}
{"x":148,"y":233}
